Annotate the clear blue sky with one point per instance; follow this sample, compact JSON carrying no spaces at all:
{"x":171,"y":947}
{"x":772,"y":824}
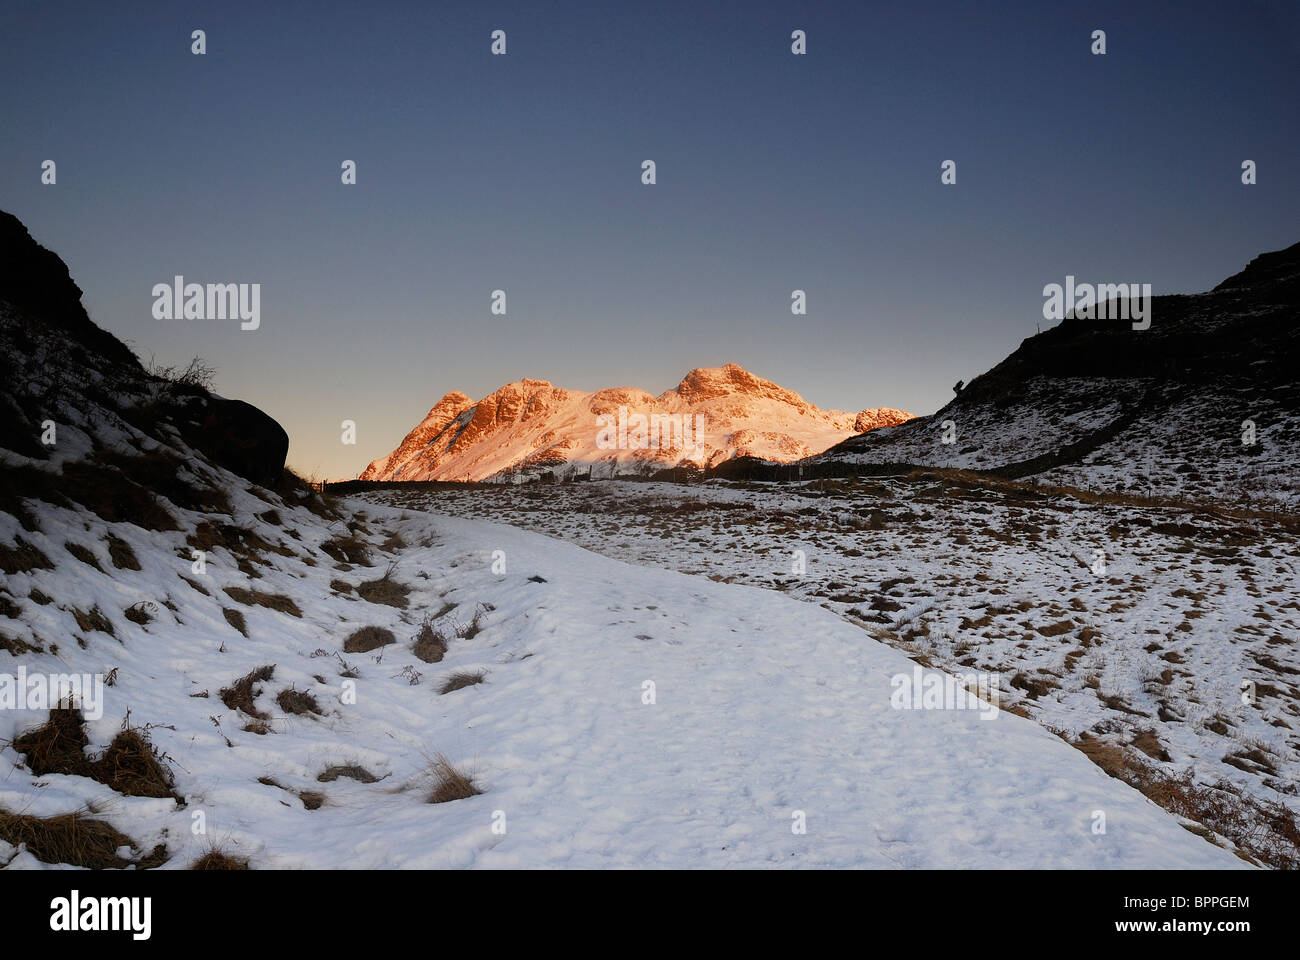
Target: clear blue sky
{"x":522,"y":172}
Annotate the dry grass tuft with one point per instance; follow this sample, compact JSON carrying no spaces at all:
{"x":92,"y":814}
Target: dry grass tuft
{"x":243,"y":692}
{"x":76,"y":840}
{"x":468,"y":631}
{"x":1035,"y":686}
{"x":84,"y":554}
{"x":272,"y":601}
{"x":140,"y":612}
{"x":216,"y":859}
{"x":235,"y":619}
{"x":94,"y":620}
{"x":22,"y":557}
{"x":352,"y":771}
{"x":17,"y":647}
{"x":56,"y":746}
{"x":430,"y":643}
{"x":350,"y":549}
{"x":449,"y":783}
{"x":368,"y":638}
{"x":385,"y":590}
{"x":297,"y":702}
{"x":459,"y":681}
{"x":131,"y":765}
{"x":8,"y":608}
{"x":1149,"y":743}
{"x":120,"y":552}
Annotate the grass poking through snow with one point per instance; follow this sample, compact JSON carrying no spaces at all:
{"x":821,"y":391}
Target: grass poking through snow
{"x":449,"y":782}
{"x":461,"y":680}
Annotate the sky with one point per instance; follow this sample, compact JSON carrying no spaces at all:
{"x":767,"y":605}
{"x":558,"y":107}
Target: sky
{"x":523,"y":173}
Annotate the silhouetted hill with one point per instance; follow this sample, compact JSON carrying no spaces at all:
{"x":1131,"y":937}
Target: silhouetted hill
{"x":57,"y":366}
{"x":1095,"y":403}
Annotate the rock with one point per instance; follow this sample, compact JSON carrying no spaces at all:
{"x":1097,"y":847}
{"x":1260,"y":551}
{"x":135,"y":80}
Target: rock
{"x":235,"y":435}
{"x":880,"y":417}
{"x":36,"y":281}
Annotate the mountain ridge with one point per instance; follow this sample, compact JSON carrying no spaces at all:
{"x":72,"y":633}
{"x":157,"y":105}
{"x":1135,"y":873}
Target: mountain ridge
{"x":531,"y":426}
{"x":1203,"y":404}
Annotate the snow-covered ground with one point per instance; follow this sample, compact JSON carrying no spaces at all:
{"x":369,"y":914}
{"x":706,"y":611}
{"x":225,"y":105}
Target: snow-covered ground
{"x":767,"y":712}
{"x":1136,"y":436}
{"x":1141,"y":627}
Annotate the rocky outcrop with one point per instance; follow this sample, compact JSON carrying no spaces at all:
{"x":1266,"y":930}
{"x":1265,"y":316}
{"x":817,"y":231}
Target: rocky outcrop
{"x":708,"y":383}
{"x":235,"y":435}
{"x":36,"y":282}
{"x":878,"y":418}
{"x":57,"y":365}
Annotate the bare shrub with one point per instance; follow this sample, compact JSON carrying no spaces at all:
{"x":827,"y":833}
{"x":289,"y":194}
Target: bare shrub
{"x":197,"y":374}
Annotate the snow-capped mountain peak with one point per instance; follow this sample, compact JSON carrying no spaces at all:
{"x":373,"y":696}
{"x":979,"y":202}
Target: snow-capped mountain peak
{"x":533,"y":426}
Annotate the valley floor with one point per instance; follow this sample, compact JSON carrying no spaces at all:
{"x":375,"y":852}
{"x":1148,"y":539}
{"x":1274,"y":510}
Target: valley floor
{"x":1161,"y":642}
{"x":627,"y":715}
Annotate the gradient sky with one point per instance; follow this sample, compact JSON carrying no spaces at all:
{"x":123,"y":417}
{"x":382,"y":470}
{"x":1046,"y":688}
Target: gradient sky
{"x":522,"y":172}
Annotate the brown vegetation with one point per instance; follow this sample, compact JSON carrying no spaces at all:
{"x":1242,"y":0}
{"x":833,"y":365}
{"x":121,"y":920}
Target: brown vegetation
{"x":368,"y":638}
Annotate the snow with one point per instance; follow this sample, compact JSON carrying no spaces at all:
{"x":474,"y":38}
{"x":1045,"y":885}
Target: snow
{"x":1188,"y":607}
{"x":764,"y":706}
{"x":531,"y":426}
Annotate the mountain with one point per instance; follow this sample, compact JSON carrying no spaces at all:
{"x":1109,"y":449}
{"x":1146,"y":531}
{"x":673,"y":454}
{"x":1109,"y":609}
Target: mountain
{"x":532,"y":426}
{"x":1165,"y":411}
